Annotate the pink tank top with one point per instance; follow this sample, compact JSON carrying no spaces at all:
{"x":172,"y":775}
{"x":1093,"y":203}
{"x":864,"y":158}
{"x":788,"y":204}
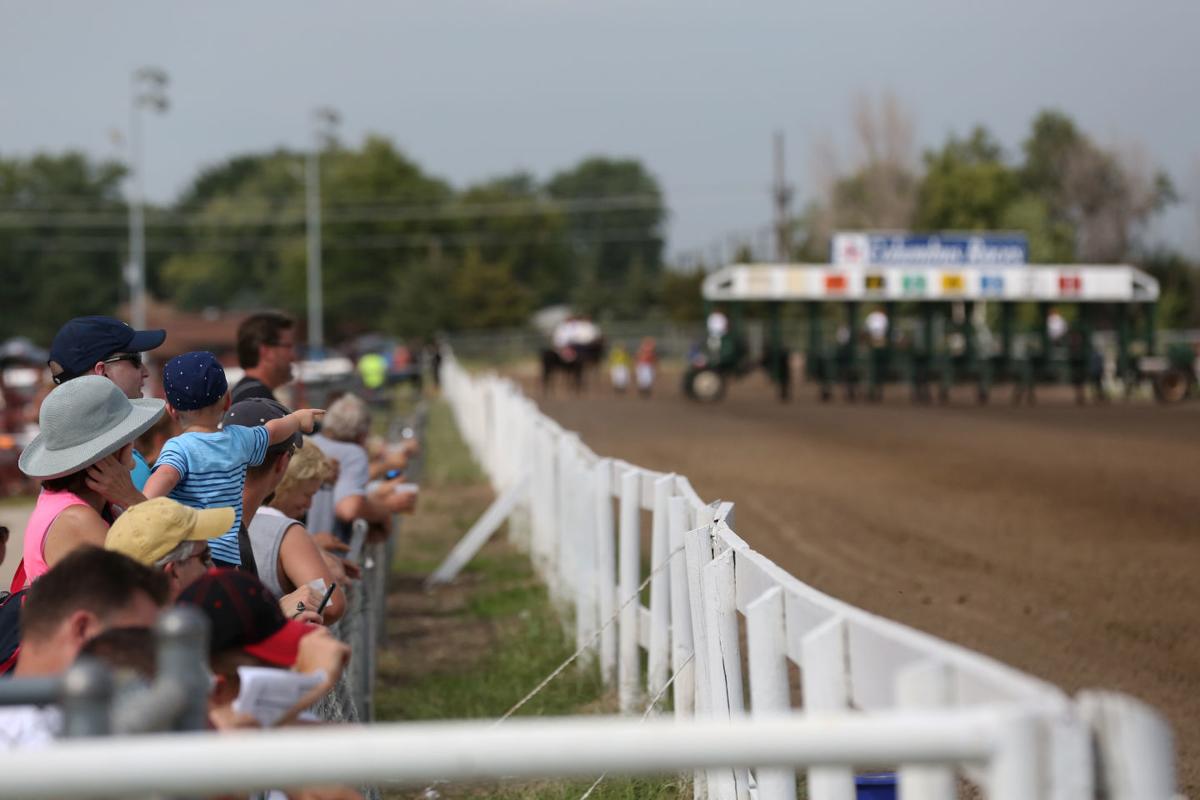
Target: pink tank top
{"x":49,"y":506}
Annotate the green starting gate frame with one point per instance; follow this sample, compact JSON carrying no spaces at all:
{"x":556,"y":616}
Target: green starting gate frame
{"x":935,"y":288}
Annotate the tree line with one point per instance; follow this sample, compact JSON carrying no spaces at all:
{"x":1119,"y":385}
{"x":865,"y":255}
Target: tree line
{"x":406,"y":252}
{"x":403,"y":251}
{"x":1076,"y":201}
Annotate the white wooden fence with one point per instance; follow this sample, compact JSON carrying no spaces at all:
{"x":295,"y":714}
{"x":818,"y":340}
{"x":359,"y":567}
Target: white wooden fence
{"x":580,"y":521}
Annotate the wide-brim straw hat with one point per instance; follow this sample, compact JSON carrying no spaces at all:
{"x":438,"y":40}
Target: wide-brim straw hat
{"x":82,"y":421}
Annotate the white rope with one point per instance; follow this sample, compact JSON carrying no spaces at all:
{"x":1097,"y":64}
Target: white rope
{"x":430,"y":791}
{"x":658,"y":697}
{"x":592,"y":640}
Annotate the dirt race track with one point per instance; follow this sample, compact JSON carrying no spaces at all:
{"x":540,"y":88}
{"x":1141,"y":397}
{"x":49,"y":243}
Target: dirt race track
{"x":1064,"y":541}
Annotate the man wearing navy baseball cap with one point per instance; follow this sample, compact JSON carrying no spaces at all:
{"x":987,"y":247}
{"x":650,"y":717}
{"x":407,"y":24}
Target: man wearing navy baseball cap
{"x":108,"y":347}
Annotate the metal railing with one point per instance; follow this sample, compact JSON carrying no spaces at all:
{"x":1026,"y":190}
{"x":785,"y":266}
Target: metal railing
{"x":177,"y":700}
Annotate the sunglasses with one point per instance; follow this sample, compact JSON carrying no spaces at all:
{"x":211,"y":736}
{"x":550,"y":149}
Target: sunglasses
{"x":204,"y":555}
{"x":133,"y":358}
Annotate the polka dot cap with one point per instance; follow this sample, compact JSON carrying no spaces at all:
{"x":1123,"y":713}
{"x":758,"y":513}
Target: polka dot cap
{"x":194,"y":380}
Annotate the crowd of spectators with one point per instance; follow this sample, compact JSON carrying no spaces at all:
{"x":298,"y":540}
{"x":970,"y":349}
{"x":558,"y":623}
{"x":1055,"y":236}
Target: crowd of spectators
{"x":217,"y":497}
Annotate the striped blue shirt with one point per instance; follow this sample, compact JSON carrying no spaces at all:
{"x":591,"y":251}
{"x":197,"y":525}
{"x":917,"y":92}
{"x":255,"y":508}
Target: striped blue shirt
{"x":212,"y":474}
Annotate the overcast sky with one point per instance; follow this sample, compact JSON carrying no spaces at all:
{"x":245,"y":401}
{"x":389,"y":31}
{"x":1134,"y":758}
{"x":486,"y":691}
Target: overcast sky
{"x":694,"y":89}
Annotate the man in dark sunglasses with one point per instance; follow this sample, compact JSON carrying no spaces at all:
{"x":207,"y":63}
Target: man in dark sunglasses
{"x":108,"y":347}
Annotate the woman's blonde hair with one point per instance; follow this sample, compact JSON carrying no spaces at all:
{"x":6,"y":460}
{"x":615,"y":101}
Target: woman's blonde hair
{"x":307,"y":463}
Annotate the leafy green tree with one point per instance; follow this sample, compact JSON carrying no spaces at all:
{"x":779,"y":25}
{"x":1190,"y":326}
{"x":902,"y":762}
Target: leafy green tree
{"x":242,"y":237}
{"x":58,"y":255}
{"x":419,"y":303}
{"x":1179,"y":283}
{"x":1107,"y":197}
{"x":681,"y":299}
{"x":967,"y":185}
{"x":513,"y":220}
{"x":487,"y":296}
{"x":615,"y":215}
{"x":382,"y":214}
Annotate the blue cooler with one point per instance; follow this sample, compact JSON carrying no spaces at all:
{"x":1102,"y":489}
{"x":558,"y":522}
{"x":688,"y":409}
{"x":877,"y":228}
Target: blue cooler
{"x":875,"y":786}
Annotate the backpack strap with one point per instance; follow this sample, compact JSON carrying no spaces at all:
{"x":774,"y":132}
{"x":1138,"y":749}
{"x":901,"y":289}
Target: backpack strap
{"x":18,"y":581}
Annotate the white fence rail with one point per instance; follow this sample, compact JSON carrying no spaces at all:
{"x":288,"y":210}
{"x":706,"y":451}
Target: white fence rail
{"x":581,"y":522}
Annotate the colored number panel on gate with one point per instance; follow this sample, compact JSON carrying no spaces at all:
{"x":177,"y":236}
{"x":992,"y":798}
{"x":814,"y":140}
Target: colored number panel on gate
{"x":953,"y":283}
{"x":1070,"y":284}
{"x":913,"y":284}
{"x":835,"y":284}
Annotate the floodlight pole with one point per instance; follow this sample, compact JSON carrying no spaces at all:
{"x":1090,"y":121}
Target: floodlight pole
{"x":148,"y":90}
{"x":324,"y":122}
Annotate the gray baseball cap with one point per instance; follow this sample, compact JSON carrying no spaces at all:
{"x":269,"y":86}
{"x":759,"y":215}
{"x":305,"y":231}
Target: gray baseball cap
{"x":82,"y":421}
{"x":257,"y":411}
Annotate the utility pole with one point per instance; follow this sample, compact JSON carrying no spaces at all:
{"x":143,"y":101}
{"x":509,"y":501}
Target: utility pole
{"x":325,"y":121}
{"x":782,"y":194}
{"x":148,"y":90}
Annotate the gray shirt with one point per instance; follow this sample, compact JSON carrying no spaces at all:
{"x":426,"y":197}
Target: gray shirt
{"x":354,"y":472}
{"x":267,"y":529}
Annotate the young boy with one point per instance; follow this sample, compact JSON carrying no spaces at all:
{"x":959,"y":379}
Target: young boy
{"x":205,"y":466}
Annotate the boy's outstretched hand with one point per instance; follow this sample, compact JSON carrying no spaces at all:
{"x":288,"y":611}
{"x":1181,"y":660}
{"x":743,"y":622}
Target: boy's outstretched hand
{"x":308,"y":418}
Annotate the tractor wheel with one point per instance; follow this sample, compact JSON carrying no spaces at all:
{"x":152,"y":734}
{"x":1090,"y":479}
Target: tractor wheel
{"x":706,"y":385}
{"x":1171,"y":386}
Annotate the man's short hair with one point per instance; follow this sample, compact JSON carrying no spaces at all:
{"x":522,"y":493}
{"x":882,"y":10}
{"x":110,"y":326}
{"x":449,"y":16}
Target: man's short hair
{"x":125,"y":649}
{"x":88,"y":579}
{"x":258,"y":330}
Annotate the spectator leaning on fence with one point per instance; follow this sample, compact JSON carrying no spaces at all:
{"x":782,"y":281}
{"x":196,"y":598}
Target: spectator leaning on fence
{"x":266,"y":349}
{"x":107,"y":347}
{"x":85,"y":423}
{"x":249,"y":630}
{"x":205,"y":466}
{"x":88,"y":592}
{"x":171,"y":537}
{"x":309,"y":471}
{"x":343,"y":437}
{"x":286,"y":558}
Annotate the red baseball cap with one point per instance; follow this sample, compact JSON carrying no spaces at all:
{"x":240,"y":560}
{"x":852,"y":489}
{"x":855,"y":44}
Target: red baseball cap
{"x":244,"y":615}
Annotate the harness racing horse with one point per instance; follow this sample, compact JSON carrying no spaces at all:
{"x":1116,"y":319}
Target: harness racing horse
{"x":572,"y":361}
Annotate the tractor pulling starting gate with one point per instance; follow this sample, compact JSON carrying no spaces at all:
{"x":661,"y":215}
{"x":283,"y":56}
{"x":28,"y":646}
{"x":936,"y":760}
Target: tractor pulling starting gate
{"x":948,"y":344}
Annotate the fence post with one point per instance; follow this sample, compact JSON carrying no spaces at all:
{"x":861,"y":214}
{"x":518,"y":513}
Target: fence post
{"x":770,"y":693}
{"x":725,"y":660}
{"x":87,"y":699}
{"x":606,"y":568}
{"x":658,"y":662}
{"x":548,"y":491}
{"x":1014,"y":773}
{"x":684,"y":688}
{"x":925,"y":684}
{"x":698,"y":553}
{"x":585,"y":557}
{"x":562,"y":520}
{"x":182,"y":640}
{"x":629,"y":554}
{"x":825,"y":685}
{"x":1134,"y":746}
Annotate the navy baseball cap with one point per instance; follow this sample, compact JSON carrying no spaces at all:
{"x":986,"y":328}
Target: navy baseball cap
{"x":194,"y":380}
{"x":83,"y":341}
{"x":258,"y":411}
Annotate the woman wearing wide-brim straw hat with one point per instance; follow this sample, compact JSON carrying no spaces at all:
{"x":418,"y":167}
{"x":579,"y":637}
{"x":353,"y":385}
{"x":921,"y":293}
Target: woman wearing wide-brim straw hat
{"x":82,"y":422}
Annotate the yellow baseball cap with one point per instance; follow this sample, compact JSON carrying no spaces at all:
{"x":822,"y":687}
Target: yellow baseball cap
{"x":148,"y":531}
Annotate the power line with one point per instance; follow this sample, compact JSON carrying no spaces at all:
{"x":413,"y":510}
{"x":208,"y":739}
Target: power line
{"x":104,"y":244}
{"x":250,"y":213}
